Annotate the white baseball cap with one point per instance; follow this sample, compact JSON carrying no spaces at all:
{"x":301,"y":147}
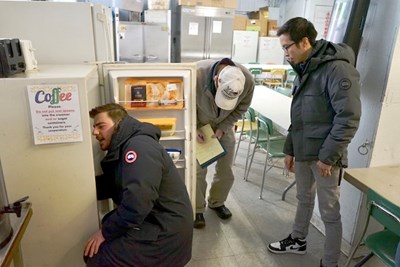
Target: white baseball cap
{"x":230,"y":86}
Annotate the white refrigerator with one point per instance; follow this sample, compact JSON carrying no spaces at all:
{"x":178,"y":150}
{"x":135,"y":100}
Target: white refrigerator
{"x":48,"y":154}
{"x":270,"y":51}
{"x":61,"y":33}
{"x":244,"y":46}
{"x":165,"y":95}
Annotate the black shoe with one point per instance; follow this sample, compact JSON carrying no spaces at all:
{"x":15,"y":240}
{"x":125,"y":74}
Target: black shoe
{"x":199,"y":222}
{"x":222,"y":212}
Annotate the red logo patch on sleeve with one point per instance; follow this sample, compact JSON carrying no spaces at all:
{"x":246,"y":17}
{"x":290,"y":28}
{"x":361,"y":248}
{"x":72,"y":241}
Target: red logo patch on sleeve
{"x":130,"y":156}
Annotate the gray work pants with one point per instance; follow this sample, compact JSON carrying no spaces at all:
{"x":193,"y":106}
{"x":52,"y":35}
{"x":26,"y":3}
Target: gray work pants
{"x":308,"y":182}
{"x":223,"y":177}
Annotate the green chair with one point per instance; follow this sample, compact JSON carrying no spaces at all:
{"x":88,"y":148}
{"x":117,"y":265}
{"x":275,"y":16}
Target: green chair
{"x":256,"y":72}
{"x":383,"y":243}
{"x":290,"y":77}
{"x":248,"y":128}
{"x":284,"y":91}
{"x":271,"y":143}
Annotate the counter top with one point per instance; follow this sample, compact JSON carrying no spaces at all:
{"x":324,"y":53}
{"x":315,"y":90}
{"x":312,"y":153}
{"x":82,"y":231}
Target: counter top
{"x":11,"y":251}
{"x":384,"y":180}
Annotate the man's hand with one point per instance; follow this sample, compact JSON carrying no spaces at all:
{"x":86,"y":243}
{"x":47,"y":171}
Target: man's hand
{"x":200,"y":137}
{"x":324,"y":169}
{"x":218,"y":134}
{"x":93,"y":244}
{"x":289,"y":163}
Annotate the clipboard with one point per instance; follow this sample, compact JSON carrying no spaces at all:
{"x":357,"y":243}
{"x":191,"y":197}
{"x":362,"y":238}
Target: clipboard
{"x":209,"y":151}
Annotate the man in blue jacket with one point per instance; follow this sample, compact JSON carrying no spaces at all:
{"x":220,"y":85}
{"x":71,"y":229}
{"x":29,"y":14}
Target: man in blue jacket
{"x":325,"y":115}
{"x":153,"y":222}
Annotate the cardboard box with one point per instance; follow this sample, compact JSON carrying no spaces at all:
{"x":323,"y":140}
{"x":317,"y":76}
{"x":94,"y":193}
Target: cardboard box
{"x":158,"y":4}
{"x":212,"y":3}
{"x":260,"y":25}
{"x":272,"y":27}
{"x":239,"y":23}
{"x":262,"y":13}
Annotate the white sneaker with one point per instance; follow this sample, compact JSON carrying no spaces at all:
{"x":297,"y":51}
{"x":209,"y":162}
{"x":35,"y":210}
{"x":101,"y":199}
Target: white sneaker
{"x":289,"y":245}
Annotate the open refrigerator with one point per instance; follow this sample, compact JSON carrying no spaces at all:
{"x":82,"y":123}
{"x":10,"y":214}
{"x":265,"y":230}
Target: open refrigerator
{"x":162,"y":94}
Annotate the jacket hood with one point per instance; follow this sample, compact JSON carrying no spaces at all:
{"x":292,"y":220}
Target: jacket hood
{"x":129,"y":127}
{"x":325,"y":51}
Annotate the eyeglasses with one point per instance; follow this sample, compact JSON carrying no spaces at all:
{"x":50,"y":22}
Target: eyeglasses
{"x":286,"y":47}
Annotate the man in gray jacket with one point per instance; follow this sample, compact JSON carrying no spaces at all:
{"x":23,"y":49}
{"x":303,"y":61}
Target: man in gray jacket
{"x":325,"y":115}
{"x":224,"y":91}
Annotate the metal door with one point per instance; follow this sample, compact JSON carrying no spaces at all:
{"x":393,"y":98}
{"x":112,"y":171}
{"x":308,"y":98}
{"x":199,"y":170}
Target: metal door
{"x":192,"y":35}
{"x":220,"y":37}
{"x":130,"y":42}
{"x":157,"y":40}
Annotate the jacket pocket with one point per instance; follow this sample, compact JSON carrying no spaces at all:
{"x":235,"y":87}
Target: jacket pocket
{"x":316,"y":107}
{"x":146,"y":232}
{"x":314,"y":136}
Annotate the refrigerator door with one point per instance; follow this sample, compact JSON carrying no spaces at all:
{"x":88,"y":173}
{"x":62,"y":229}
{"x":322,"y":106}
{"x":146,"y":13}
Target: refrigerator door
{"x":244,"y":46}
{"x":193,"y":35}
{"x":270,"y":51}
{"x":157,"y":43}
{"x":158,"y":16}
{"x":220,"y":37}
{"x":130,"y":37}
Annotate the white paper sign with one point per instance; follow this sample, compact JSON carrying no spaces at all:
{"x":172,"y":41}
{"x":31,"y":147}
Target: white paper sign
{"x":217,"y":26}
{"x":55,"y":112}
{"x":193,"y":28}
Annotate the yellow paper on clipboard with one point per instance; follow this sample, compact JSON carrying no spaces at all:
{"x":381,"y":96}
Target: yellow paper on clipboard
{"x":209,"y":151}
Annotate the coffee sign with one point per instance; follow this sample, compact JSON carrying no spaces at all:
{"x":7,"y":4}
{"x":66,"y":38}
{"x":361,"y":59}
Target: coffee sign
{"x":55,"y":113}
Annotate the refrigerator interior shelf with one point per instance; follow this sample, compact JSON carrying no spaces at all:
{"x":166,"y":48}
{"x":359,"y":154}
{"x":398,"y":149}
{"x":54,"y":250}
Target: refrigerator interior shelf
{"x":153,"y":105}
{"x":177,"y":135}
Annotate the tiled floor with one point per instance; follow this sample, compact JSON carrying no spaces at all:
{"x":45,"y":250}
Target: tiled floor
{"x":242,"y":240}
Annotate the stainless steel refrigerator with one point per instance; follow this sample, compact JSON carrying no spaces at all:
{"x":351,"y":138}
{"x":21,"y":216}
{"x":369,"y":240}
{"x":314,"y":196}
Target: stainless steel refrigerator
{"x":205,"y":33}
{"x":142,"y":42}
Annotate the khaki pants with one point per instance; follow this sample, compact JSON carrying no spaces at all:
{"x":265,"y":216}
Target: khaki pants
{"x":223,"y":177}
{"x":308,"y":182}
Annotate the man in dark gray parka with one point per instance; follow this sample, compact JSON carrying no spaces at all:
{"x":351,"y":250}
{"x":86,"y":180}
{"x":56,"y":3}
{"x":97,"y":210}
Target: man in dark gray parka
{"x":325,"y":115}
{"x":152,"y":224}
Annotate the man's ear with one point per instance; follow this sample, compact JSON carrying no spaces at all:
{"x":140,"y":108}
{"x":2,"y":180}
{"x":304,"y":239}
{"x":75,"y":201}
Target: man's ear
{"x":116,"y":126}
{"x":306,"y":42}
